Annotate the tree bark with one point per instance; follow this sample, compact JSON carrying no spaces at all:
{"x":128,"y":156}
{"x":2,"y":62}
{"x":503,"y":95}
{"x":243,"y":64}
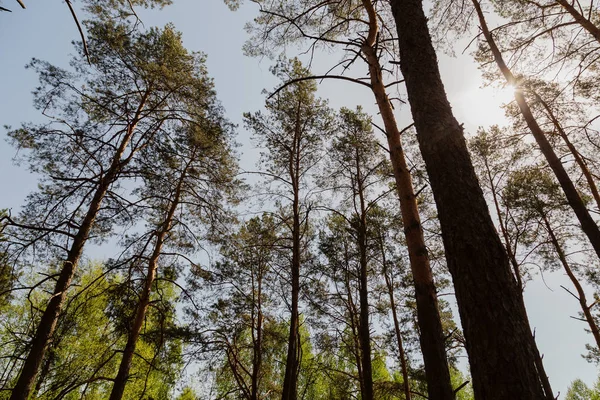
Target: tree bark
{"x":431,"y":338}
{"x":142,"y":307}
{"x":588,"y":225}
{"x":497,"y":336}
{"x":52,"y":312}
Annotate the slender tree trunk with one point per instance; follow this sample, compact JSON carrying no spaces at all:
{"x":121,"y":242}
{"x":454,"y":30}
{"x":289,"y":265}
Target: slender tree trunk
{"x":588,"y":225}
{"x":292,"y":365}
{"x":583,"y":21}
{"x":364,"y":326}
{"x":257,"y":339}
{"x":517,"y":272}
{"x":587,"y":312}
{"x":401,"y":352}
{"x":576,"y":155}
{"x":354,"y":326}
{"x":432,"y":339}
{"x":142,"y":307}
{"x":50,"y":316}
{"x":497,"y":336}
{"x":52,"y":312}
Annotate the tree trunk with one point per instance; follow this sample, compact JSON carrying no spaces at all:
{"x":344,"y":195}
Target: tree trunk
{"x":431,"y":339}
{"x":581,"y":20}
{"x":44,"y":372}
{"x":401,"y":353}
{"x":580,"y":292}
{"x":497,"y":336}
{"x":364,"y":327}
{"x":576,"y":155}
{"x":292,"y":365}
{"x":50,"y":316}
{"x":588,"y":225}
{"x":354,"y":326}
{"x":142,"y":307}
{"x":257,"y":323}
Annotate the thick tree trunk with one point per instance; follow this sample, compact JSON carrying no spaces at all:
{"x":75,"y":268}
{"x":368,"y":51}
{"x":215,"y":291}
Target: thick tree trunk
{"x":364,"y":326}
{"x":588,"y":225}
{"x":142,"y":307}
{"x":581,"y":20}
{"x":432,"y":339}
{"x":497,"y":335}
{"x":587,"y":312}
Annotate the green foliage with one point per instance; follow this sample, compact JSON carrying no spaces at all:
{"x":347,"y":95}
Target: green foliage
{"x":85,"y":353}
{"x":578,"y":390}
{"x":188,"y":394}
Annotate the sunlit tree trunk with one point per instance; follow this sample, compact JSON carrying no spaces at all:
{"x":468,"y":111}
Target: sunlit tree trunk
{"x":432,"y":339}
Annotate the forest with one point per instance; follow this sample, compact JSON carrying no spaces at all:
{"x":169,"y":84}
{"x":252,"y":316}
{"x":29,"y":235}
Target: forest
{"x":377,"y":250}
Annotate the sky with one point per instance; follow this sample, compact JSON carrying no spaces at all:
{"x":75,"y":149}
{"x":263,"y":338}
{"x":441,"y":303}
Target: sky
{"x":45,"y":31}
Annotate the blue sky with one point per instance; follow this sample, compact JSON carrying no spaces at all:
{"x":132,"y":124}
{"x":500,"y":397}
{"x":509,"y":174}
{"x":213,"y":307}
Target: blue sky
{"x":45,"y":30}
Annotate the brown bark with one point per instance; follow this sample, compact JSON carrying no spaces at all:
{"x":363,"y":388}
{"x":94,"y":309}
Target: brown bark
{"x":432,"y":339}
{"x":581,"y":20}
{"x":587,"y":312}
{"x":142,"y":307}
{"x":588,"y":225}
{"x":292,"y":365}
{"x":52,"y":312}
{"x":497,"y":336}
